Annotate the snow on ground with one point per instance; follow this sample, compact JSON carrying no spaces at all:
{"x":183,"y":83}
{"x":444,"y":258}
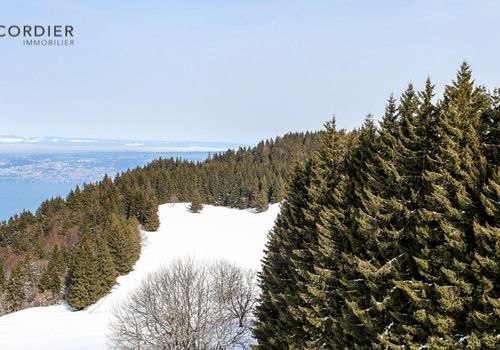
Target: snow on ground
{"x":216,"y":232}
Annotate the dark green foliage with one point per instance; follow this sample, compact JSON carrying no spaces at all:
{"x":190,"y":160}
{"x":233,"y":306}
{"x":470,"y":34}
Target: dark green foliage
{"x":228,"y":178}
{"x":84,"y":288}
{"x":196,"y":202}
{"x":50,"y":279}
{"x":440,"y":289}
{"x":490,"y":130}
{"x":114,"y":208}
{"x":402,"y":233}
{"x":278,"y":328}
{"x":261,"y":200}
{"x":92,"y":273}
{"x":327,"y":207}
{"x":123,"y":243}
{"x":106,"y":267}
{"x":16,"y":287}
{"x":486,"y":268}
{"x":151,"y":219}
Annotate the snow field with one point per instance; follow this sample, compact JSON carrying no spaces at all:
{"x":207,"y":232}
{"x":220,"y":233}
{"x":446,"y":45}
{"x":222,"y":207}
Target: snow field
{"x":216,"y":233}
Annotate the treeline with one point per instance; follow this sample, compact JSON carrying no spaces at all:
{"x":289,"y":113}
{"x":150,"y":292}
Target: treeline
{"x":390,"y":238}
{"x":71,"y":248}
{"x":245,"y":178}
{"x":74,"y":248}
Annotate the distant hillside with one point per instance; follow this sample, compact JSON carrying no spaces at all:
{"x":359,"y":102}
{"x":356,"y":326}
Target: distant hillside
{"x":74,"y":247}
{"x":15,"y":144}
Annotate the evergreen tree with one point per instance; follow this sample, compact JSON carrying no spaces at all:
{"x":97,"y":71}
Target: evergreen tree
{"x":16,"y":285}
{"x":85,"y":285}
{"x":359,"y":319}
{"x":262,"y":198}
{"x":379,"y":222}
{"x":121,"y":243}
{"x":196,"y":202}
{"x":106,"y":268}
{"x":486,"y":261}
{"x":149,"y":209}
{"x":416,"y":143}
{"x":279,"y":321}
{"x":151,"y":218}
{"x":396,"y":246}
{"x":134,"y":239}
{"x":486,"y":267}
{"x":440,"y":289}
{"x":50,"y":279}
{"x":490,"y":130}
{"x":328,"y":192}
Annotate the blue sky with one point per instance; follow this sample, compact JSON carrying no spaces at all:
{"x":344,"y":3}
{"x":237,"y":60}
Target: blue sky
{"x":234,"y":70}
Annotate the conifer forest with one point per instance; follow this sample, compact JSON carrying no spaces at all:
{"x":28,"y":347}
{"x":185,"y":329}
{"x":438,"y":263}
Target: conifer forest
{"x":73,"y":248}
{"x":388,"y":238}
{"x":388,"y":235}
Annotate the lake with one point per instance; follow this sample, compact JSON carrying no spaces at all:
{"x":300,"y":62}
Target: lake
{"x":28,"y":179}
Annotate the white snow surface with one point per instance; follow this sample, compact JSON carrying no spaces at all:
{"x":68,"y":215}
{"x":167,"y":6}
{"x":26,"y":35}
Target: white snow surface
{"x":215,"y":233}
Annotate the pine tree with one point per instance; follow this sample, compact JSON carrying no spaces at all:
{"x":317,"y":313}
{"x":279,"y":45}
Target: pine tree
{"x":196,"y":202}
{"x":398,"y":243}
{"x":15,"y":288}
{"x":379,"y":221}
{"x":262,"y":198}
{"x":486,"y":267}
{"x":415,"y":145}
{"x":121,"y":244}
{"x":279,"y":317}
{"x":106,"y":268}
{"x":50,"y":279}
{"x":490,"y":130}
{"x":151,"y":218}
{"x":134,"y":238}
{"x":328,"y":192}
{"x":440,"y":289}
{"x":84,"y":283}
{"x":359,"y":319}
{"x":149,"y":209}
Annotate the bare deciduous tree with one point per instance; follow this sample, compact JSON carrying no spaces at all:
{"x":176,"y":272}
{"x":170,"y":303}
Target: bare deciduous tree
{"x":188,"y":306}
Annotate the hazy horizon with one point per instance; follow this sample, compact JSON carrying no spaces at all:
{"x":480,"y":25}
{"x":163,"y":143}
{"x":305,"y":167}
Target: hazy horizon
{"x":232,"y":71}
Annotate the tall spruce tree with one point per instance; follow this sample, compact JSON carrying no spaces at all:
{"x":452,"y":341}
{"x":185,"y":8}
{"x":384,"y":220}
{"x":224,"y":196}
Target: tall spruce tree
{"x":16,"y":285}
{"x":84,"y":288}
{"x":328,"y":193}
{"x":416,"y":144}
{"x":486,"y":261}
{"x":106,"y":268}
{"x":134,"y":238}
{"x":261,"y":197}
{"x":196,"y":201}
{"x":50,"y":279}
{"x":485,"y":313}
{"x":149,"y":209}
{"x":279,"y":320}
{"x":122,"y":243}
{"x":380,"y":222}
{"x":358,"y":319}
{"x":440,"y":289}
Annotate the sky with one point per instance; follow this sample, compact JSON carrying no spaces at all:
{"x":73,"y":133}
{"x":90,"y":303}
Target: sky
{"x":232,"y":70}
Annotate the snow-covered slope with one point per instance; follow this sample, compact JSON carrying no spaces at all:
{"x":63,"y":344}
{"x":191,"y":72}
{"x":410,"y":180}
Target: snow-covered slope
{"x":216,"y":232}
